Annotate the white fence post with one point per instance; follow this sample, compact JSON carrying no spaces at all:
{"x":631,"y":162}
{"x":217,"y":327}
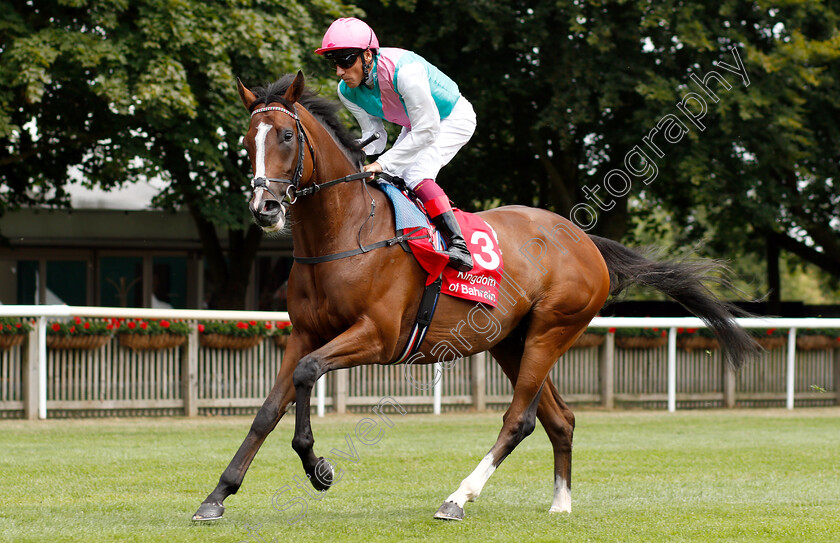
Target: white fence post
{"x":836,"y":360}
{"x":437,"y":371}
{"x":342,"y":380}
{"x":729,"y":385}
{"x":672,"y":369}
{"x":189,"y":374}
{"x":606,"y":366}
{"x":321,"y":385}
{"x":42,"y":368}
{"x":791,"y":367}
{"x":478,"y":381}
{"x":31,"y":376}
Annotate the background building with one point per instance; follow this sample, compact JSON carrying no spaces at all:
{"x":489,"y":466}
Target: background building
{"x":113,"y":249}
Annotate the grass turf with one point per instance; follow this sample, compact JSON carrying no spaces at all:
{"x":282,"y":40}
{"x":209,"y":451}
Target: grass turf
{"x":747,"y":475}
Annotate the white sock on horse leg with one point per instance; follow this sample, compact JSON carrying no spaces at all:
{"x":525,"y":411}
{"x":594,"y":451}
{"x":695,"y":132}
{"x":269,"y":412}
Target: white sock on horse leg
{"x":471,"y":486}
{"x":562,"y":496}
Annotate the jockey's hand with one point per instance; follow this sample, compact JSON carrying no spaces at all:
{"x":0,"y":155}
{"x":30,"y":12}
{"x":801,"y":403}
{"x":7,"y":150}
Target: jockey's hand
{"x":373,"y":168}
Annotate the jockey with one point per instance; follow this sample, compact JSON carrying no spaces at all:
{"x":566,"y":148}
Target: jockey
{"x":402,"y":87}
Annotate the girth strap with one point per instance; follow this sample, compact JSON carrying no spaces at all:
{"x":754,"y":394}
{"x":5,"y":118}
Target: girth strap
{"x":359,"y":250}
{"x":425,"y":314}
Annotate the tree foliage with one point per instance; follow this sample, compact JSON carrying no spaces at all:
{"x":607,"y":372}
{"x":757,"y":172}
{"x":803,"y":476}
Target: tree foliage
{"x":565,"y":90}
{"x":121,"y":91}
{"x":764,"y":171}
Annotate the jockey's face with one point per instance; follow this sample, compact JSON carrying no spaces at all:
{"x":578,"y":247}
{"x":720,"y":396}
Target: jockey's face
{"x":354,"y":75}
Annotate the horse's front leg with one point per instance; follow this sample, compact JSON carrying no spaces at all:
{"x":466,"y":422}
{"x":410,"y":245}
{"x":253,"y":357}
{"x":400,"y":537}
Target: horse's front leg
{"x":272,"y":410}
{"x":360,"y":344}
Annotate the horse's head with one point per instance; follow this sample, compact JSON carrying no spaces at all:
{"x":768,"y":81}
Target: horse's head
{"x":276,"y":144}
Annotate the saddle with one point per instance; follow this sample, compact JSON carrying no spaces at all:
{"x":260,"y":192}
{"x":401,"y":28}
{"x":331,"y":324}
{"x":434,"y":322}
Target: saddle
{"x":481,"y":283}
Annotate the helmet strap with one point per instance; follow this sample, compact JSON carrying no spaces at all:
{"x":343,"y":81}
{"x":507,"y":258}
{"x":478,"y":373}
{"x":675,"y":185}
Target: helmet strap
{"x":366,"y":66}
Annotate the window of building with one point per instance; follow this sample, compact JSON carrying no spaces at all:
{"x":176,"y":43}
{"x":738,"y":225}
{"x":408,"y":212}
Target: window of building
{"x":169,"y":282}
{"x":27,"y":282}
{"x":121,"y":281}
{"x":66,"y":282}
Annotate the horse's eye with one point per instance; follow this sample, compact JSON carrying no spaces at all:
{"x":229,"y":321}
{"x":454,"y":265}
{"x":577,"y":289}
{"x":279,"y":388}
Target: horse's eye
{"x":287,"y":135}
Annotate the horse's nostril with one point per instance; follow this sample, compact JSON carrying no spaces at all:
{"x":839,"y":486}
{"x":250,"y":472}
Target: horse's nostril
{"x":271,"y":207}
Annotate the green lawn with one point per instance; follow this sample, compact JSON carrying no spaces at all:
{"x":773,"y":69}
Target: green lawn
{"x":746,"y":475}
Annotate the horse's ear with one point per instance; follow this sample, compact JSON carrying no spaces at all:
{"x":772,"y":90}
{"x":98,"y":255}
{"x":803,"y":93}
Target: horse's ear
{"x":295,"y":90}
{"x":247,"y":96}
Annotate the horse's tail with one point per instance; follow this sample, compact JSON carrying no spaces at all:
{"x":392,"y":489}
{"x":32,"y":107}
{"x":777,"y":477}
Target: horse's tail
{"x":684,"y":281}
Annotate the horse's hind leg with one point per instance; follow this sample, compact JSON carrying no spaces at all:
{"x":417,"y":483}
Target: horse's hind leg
{"x":544,"y":343}
{"x":557,"y":420}
{"x":559,"y":424}
{"x":282,"y":393}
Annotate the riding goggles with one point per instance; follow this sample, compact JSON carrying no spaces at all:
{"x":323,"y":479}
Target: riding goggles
{"x":344,"y":61}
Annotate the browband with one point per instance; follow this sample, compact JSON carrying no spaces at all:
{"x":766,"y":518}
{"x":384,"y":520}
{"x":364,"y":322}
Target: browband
{"x":291,"y":114}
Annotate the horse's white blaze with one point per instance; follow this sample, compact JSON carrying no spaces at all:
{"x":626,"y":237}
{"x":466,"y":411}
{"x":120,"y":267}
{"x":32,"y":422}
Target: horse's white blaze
{"x":562,"y":497}
{"x":471,"y":486}
{"x":259,"y":140}
{"x":259,"y":171}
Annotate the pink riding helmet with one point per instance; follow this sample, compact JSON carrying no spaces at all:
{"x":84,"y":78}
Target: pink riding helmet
{"x":348,"y":33}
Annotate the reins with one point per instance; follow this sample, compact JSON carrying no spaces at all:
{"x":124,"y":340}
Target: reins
{"x":293,"y":191}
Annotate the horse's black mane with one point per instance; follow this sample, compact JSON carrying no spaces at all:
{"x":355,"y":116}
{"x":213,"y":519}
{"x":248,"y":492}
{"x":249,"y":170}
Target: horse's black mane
{"x":322,"y":108}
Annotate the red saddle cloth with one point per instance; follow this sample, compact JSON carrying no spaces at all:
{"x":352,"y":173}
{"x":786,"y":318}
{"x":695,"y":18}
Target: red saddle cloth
{"x":481,"y":284}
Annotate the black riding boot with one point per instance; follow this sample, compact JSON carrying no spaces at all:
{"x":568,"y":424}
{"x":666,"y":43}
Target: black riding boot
{"x":459,"y":255}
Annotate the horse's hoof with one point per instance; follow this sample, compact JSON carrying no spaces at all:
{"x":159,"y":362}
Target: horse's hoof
{"x":322,"y":479}
{"x":209,"y":511}
{"x":450,"y":511}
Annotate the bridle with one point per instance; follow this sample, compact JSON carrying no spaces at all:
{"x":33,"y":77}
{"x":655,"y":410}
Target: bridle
{"x":261,"y":183}
{"x":293,"y":190}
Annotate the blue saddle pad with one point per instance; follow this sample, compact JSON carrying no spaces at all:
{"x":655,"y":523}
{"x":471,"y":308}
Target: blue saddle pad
{"x":406,"y":213}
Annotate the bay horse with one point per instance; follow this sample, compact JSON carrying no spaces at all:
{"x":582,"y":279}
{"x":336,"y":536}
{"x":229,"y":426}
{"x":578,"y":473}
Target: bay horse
{"x":359,"y":310}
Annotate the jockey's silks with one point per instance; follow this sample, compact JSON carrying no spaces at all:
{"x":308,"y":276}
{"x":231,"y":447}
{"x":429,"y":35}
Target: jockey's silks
{"x":384,"y":100}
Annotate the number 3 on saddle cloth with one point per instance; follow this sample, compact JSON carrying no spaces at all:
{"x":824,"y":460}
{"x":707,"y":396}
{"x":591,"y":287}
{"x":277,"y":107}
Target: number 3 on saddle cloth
{"x":481,"y":284}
